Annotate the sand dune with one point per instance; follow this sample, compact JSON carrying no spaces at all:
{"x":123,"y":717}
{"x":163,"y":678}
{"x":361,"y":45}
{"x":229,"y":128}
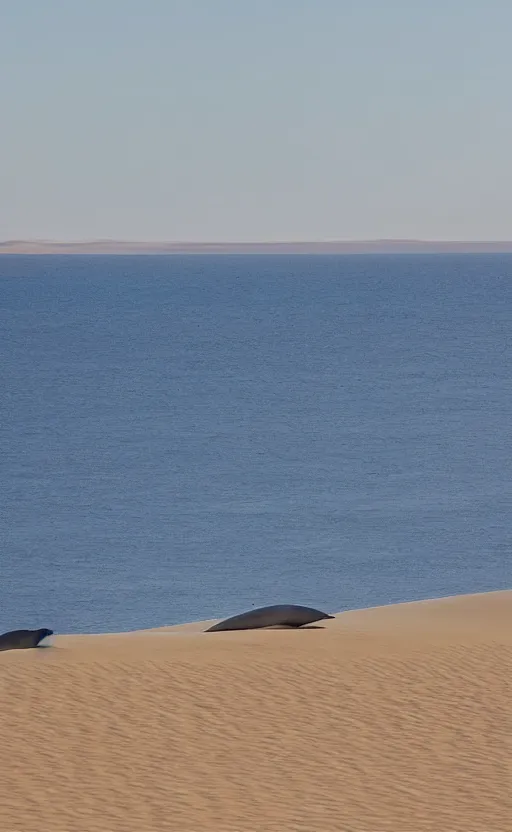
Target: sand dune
{"x":397,"y":718}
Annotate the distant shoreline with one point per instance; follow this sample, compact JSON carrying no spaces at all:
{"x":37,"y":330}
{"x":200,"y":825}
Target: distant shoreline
{"x":39,"y":247}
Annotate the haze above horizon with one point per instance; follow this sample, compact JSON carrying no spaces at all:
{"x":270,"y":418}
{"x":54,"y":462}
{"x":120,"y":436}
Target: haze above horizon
{"x":246,"y":122}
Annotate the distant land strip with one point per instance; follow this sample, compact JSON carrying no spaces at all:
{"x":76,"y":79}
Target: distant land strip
{"x":333,"y":247}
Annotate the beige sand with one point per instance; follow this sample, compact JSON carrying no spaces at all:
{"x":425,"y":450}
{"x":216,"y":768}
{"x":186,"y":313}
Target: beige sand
{"x":396,"y":718}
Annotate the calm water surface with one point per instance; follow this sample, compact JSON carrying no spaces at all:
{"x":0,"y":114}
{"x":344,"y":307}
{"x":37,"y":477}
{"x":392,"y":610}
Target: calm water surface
{"x":184,"y":437}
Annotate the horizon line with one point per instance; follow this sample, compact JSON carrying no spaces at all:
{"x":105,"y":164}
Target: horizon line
{"x":376,"y":245}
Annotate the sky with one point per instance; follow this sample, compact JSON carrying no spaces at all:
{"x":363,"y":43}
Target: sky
{"x":255,"y":120}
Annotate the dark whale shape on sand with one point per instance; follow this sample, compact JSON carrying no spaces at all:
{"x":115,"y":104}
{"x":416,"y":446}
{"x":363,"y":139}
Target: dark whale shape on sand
{"x":23,"y":639}
{"x":284,"y":615}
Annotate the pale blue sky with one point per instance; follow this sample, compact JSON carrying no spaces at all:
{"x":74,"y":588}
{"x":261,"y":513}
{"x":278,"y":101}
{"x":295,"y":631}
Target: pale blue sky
{"x":255,"y":119}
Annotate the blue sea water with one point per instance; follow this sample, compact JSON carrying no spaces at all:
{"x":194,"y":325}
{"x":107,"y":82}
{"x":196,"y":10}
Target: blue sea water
{"x":185,"y":437}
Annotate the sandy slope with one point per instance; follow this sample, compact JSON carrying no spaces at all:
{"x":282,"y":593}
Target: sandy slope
{"x":396,"y":718}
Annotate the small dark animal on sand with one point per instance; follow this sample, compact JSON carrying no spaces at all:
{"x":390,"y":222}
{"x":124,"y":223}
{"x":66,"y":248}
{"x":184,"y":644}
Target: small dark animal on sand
{"x":279,"y":615}
{"x":23,"y":639}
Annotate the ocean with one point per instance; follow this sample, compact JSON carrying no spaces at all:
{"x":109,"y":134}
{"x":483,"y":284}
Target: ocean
{"x":185,"y":437}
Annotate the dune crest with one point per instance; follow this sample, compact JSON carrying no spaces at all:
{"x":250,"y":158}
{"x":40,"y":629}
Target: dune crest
{"x":396,"y":718}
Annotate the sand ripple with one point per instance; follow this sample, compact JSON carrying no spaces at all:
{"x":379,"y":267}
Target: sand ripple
{"x":396,"y":719}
